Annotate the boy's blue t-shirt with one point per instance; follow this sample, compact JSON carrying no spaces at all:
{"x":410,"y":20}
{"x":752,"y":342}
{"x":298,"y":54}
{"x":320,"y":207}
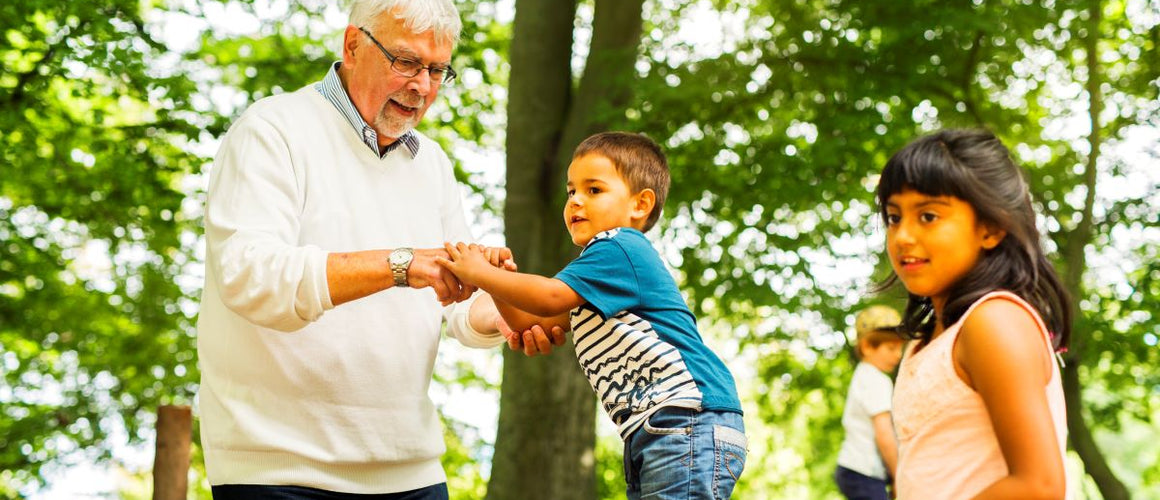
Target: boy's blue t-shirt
{"x":636,"y":340}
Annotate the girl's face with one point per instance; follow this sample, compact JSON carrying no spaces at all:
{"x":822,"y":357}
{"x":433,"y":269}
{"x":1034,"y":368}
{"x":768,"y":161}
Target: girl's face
{"x":934,"y":241}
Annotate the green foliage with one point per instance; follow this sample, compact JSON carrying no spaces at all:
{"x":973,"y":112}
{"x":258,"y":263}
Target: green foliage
{"x":462,"y":462}
{"x":95,"y":331}
{"x":98,"y":232}
{"x":774,"y":142}
{"x":609,"y":466}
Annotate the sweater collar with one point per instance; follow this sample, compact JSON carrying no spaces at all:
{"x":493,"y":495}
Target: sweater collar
{"x":331,"y":88}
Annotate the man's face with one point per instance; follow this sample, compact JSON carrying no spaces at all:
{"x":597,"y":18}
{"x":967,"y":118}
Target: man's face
{"x":390,"y":102}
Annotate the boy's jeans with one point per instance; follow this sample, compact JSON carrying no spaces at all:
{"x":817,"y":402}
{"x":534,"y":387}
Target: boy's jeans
{"x":685,"y":454}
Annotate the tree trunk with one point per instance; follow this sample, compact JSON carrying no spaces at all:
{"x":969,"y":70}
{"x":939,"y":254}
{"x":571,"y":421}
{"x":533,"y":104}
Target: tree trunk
{"x":546,"y":434}
{"x":1080,"y":434}
{"x":171,"y":460}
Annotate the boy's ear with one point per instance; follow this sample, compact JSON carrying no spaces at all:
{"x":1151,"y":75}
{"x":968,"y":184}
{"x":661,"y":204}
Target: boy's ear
{"x":646,"y":199}
{"x":992,"y":236}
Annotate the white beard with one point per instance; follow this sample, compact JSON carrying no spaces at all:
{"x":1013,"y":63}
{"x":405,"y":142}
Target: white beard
{"x":389,"y":123}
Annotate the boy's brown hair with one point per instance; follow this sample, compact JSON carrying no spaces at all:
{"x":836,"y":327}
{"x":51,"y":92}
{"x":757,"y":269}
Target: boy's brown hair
{"x":876,"y":325}
{"x":638,"y":159}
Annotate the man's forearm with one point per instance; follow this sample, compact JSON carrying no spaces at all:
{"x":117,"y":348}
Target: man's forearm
{"x":354,"y":275}
{"x":483,"y":314}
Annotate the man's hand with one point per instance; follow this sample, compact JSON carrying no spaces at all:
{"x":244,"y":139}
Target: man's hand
{"x":426,"y":272}
{"x":532,"y":341}
{"x":500,"y":257}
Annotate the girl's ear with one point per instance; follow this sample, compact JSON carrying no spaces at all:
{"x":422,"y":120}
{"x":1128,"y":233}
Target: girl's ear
{"x":646,"y":199}
{"x":992,"y":236}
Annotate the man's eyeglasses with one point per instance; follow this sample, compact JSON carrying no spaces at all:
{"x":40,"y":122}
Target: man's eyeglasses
{"x":410,"y":67}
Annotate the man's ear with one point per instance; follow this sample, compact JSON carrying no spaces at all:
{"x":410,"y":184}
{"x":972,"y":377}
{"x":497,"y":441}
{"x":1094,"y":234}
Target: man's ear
{"x":992,"y":236}
{"x":645,"y":200}
{"x":351,"y":39}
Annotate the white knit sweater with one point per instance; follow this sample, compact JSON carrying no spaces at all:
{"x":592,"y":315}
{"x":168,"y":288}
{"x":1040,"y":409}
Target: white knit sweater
{"x":294,"y":390}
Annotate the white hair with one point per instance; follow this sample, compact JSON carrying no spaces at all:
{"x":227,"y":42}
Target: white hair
{"x":419,"y":16}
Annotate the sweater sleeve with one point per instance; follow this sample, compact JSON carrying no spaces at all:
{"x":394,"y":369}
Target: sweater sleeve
{"x":251,"y":225}
{"x":456,"y":229}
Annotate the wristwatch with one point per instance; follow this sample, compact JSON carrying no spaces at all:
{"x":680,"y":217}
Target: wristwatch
{"x":400,"y":260}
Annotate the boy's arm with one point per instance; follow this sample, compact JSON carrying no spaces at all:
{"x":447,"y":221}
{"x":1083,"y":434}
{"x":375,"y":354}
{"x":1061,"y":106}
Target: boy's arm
{"x":520,"y":320}
{"x":539,"y":295}
{"x":887,"y":443}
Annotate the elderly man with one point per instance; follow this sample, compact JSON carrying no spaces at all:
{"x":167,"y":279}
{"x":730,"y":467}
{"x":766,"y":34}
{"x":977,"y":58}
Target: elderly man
{"x":323,"y":303}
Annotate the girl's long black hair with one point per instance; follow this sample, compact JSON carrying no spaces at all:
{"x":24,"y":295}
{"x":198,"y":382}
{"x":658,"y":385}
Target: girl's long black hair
{"x":974,"y":166}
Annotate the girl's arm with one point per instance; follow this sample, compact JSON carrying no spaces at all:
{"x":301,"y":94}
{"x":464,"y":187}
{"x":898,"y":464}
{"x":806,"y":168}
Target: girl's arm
{"x":886,"y":441}
{"x":1002,"y":355}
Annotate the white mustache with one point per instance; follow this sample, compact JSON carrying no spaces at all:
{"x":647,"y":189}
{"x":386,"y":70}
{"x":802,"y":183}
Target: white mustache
{"x":416,"y":102}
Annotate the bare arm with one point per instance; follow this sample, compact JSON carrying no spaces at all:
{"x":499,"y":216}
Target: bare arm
{"x":535,"y":334}
{"x":886,"y":441}
{"x":538,"y":295}
{"x":1003,"y":356}
{"x":354,"y":275}
{"x":520,"y":320}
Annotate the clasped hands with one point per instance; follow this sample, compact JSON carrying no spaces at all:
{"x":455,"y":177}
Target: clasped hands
{"x":426,"y":271}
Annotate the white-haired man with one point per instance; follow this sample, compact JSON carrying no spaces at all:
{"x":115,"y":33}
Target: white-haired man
{"x":324,"y":216}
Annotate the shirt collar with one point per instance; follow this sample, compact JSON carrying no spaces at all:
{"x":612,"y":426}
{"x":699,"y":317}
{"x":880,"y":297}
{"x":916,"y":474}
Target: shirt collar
{"x":331,"y":88}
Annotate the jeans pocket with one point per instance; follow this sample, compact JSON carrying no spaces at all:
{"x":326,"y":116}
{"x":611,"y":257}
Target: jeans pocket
{"x":664,"y":423}
{"x":729,"y":450}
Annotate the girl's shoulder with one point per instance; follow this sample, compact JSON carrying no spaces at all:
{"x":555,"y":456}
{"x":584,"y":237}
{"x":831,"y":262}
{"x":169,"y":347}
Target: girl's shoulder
{"x":1002,"y":328}
{"x":1001,"y":311}
{"x":999,"y":314}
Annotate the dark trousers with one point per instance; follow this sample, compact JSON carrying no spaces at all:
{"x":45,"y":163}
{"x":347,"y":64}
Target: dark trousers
{"x":856,"y":486}
{"x":270,"y":492}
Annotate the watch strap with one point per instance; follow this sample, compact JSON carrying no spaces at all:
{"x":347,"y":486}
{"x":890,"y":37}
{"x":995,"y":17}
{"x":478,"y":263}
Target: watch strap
{"x":399,"y":269}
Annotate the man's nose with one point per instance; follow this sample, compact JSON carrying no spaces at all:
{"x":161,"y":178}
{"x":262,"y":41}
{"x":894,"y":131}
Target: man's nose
{"x":421,"y":83}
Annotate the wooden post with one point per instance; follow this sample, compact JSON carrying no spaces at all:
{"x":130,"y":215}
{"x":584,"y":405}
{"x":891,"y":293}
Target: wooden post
{"x":171,"y":462}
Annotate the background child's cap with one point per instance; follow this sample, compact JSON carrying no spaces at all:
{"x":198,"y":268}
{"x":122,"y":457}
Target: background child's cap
{"x":876,"y":318}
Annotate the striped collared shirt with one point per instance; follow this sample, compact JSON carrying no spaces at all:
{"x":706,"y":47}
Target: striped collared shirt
{"x":331,"y":88}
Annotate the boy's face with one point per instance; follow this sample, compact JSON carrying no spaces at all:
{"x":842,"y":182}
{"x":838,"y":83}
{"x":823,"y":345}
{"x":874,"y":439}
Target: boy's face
{"x":599,"y":199}
{"x":885,"y":356}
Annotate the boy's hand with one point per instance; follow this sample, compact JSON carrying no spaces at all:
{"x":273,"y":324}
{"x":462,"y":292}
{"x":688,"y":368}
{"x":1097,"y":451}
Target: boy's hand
{"x":424,"y":272}
{"x":466,"y":261}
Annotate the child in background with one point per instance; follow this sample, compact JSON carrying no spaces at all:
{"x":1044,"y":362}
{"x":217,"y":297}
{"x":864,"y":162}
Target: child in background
{"x":978,"y":403}
{"x":673,"y":400}
{"x":869,"y":449}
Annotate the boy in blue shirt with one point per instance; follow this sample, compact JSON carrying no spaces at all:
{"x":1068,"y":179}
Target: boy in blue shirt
{"x":673,"y":400}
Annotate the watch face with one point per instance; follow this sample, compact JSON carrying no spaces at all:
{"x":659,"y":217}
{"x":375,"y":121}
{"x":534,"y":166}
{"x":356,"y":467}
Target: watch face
{"x":400,"y":256}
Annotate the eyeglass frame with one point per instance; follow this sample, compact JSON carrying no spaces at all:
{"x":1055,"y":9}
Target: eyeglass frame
{"x":448,"y":73}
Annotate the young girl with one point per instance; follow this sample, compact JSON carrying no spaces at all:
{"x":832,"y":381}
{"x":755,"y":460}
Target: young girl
{"x":978,"y":403}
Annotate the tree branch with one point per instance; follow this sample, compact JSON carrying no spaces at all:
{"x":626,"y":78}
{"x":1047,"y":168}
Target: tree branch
{"x":1111,"y":488}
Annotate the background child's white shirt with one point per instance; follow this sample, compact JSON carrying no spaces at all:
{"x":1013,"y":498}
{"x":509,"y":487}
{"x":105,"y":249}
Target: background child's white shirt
{"x":870,"y":394}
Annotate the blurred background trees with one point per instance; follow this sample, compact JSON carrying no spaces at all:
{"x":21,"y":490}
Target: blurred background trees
{"x":776,"y":115}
